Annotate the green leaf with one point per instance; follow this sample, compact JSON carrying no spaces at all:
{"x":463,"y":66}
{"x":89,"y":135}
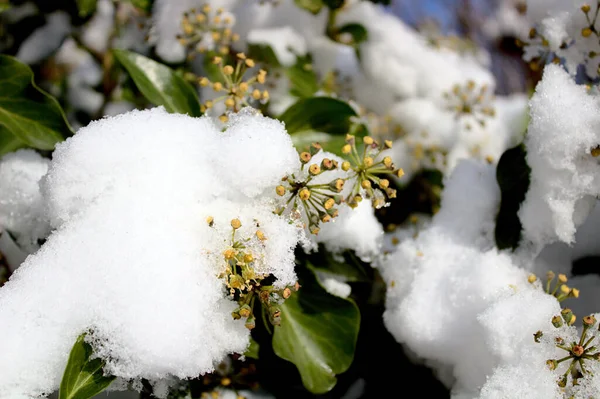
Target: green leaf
{"x":160,"y":84}
{"x":303,"y":80}
{"x":512,"y":175}
{"x":8,"y":142}
{"x":29,"y":114}
{"x":346,"y":264}
{"x":4,"y":5}
{"x":83,"y":377}
{"x":144,"y":5}
{"x":264,"y":54}
{"x":334,"y":4}
{"x":86,"y":7}
{"x":324,"y":114}
{"x":253,"y":349}
{"x":318,"y":333}
{"x":358,"y":32}
{"x":313,"y":6}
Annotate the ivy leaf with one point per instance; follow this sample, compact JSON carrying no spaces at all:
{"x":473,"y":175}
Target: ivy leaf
{"x":323,"y":114}
{"x":303,"y":80}
{"x":8,"y":142}
{"x":253,"y":349}
{"x":318,"y":334}
{"x":4,"y":5}
{"x":313,"y":6}
{"x":512,"y":175}
{"x":86,"y":7}
{"x":347,"y":265}
{"x":357,"y":31}
{"x":30,"y":115}
{"x":264,"y":54}
{"x":334,"y":4}
{"x":83,"y":377}
{"x":160,"y":84}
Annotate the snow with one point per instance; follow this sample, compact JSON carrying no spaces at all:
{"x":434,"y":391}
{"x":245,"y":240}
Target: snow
{"x":132,"y":260}
{"x":21,"y":204}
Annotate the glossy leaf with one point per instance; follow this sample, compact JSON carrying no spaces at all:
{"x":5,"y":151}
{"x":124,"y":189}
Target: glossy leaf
{"x":323,"y":114}
{"x":160,"y":84}
{"x":357,"y":31}
{"x":8,"y":142}
{"x":313,"y":6}
{"x":83,"y":377}
{"x":512,"y":175}
{"x":303,"y":80}
{"x":31,"y":116}
{"x":318,"y":333}
{"x":86,"y":7}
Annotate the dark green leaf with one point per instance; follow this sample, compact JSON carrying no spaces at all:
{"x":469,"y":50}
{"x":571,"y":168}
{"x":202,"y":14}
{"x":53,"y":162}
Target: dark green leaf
{"x":318,"y":334}
{"x":263,"y":54}
{"x":160,"y":84}
{"x":358,"y":32}
{"x":86,"y":7}
{"x":346,"y":264}
{"x":144,"y":5}
{"x":324,"y":114}
{"x":313,"y":6}
{"x":8,"y":142}
{"x":253,"y":349}
{"x":512,"y":174}
{"x":30,"y":115}
{"x":303,"y":80}
{"x":83,"y":377}
{"x":334,"y":4}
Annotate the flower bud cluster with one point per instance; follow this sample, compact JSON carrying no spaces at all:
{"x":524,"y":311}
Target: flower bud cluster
{"x":578,"y":353}
{"x":560,"y":290}
{"x":317,"y":202}
{"x":243,"y":282}
{"x":366,"y":166}
{"x":206,"y":29}
{"x":471,"y":100}
{"x":236,"y":92}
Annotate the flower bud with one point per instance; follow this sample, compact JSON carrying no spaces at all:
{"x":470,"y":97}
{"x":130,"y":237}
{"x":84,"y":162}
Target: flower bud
{"x":552,"y":364}
{"x":250,"y":323}
{"x":236,"y":224}
{"x":566,"y":314}
{"x":286,"y":293}
{"x":387,"y":162}
{"x":245,"y":311}
{"x":304,"y":194}
{"x":346,"y":166}
{"x":260,"y":235}
{"x":280,"y":190}
{"x":532,"y":278}
{"x":327,"y":164}
{"x":368,"y":140}
{"x":557,"y":321}
{"x":305,"y":157}
{"x":589,"y":321}
{"x":314,"y":169}
{"x":314,"y":148}
{"x":368,"y":161}
{"x":329,"y":203}
{"x":337,"y":185}
{"x":210,"y":221}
